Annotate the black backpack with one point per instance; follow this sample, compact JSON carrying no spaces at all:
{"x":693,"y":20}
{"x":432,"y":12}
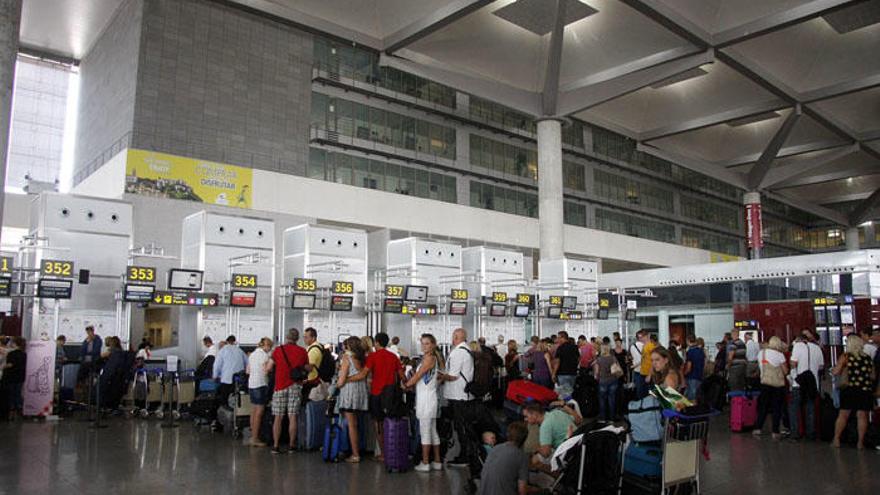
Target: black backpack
{"x":483,"y":373}
{"x":328,"y":367}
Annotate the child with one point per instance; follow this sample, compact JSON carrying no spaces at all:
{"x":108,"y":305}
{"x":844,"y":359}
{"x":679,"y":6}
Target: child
{"x":488,"y":441}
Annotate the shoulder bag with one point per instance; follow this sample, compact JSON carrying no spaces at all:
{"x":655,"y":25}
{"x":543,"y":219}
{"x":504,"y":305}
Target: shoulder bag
{"x":771,"y":376}
{"x":807,"y":380}
{"x":299,"y":374}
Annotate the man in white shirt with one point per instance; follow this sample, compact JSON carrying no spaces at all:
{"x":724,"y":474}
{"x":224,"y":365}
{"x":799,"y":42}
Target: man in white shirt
{"x":752,"y":349}
{"x":459,"y":372}
{"x":806,"y":355}
{"x":501,"y":347}
{"x":870,"y":347}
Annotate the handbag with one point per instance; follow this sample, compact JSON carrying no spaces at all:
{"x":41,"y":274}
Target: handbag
{"x":616,"y":370}
{"x":298,"y":374}
{"x":771,"y":376}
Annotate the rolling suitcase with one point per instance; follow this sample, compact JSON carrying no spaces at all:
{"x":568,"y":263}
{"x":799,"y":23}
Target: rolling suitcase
{"x":330,"y":449}
{"x":310,"y":425}
{"x":226,"y":418}
{"x":396,"y":436}
{"x":642,"y":460}
{"x":522,"y":391}
{"x":743,"y":411}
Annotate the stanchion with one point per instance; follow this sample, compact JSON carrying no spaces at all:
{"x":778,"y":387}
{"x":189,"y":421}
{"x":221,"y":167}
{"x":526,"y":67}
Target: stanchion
{"x":96,"y":423}
{"x":169,"y":422}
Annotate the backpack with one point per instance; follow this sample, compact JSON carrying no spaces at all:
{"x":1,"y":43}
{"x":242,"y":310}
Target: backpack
{"x":328,"y":367}
{"x":483,"y":372}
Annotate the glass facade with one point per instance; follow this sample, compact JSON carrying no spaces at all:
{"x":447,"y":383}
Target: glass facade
{"x":503,"y":199}
{"x":574,"y":213}
{"x":626,"y":190}
{"x":622,"y":223}
{"x":710,"y":212}
{"x":360,"y":121}
{"x":374,"y":174}
{"x":489,"y":112}
{"x":711,"y":242}
{"x":502,"y":157}
{"x":573,"y":176}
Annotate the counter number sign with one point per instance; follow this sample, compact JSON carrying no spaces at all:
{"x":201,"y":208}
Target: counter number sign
{"x":140,"y":274}
{"x":343,"y":287}
{"x":524,"y":299}
{"x":555,"y":300}
{"x":305,"y":285}
{"x":604,"y":302}
{"x":56,"y":268}
{"x":244,"y":281}
{"x":394,"y":291}
{"x":459,"y":295}
{"x":6,"y":264}
{"x":499,"y":297}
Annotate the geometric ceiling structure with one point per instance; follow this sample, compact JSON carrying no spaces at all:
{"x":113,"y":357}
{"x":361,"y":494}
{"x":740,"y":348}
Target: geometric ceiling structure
{"x":780,"y":96}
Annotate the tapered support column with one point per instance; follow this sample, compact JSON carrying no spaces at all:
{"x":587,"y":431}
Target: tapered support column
{"x":550,"y":212}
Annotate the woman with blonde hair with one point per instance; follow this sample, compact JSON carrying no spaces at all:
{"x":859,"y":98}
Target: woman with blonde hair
{"x":773,"y":370}
{"x":353,"y":395}
{"x":258,"y":387}
{"x":542,"y":366}
{"x":608,"y":382}
{"x":855,"y":370}
{"x":426,"y":381}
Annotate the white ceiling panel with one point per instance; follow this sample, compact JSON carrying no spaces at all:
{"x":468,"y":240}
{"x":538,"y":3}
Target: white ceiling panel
{"x":65,"y":27}
{"x":858,"y":111}
{"x":715,"y":16}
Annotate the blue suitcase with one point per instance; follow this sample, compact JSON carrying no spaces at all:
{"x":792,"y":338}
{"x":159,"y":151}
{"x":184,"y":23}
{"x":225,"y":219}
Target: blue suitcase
{"x":310,"y":425}
{"x":330,"y":450}
{"x":363,"y":424}
{"x":643,"y":460}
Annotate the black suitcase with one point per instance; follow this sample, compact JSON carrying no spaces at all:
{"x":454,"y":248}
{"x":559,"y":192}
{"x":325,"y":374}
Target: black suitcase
{"x":204,"y":406}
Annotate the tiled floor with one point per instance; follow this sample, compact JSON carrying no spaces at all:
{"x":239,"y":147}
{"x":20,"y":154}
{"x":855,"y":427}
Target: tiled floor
{"x":134,"y":457}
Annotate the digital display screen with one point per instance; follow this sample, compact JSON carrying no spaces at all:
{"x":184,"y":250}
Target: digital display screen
{"x":630,"y":315}
{"x":555,"y":301}
{"x":56,"y":268}
{"x":5,"y":286}
{"x":554,"y":312}
{"x":458,"y":295}
{"x":54,"y":288}
{"x":395,"y":291}
{"x":833,"y":313}
{"x":244,"y":281}
{"x":602,"y":314}
{"x":342,"y":287}
{"x":458,"y":308}
{"x":525,"y":299}
{"x":569,"y":302}
{"x":521,"y":311}
{"x":392,"y":306}
{"x":416,"y":293}
{"x":498,"y":310}
{"x":846,"y":315}
{"x":499,"y":297}
{"x":305,"y":285}
{"x":243,"y":298}
{"x":341,"y":303}
{"x":138,"y":293}
{"x":5,"y":264}
{"x":140,"y":274}
{"x":303,"y":301}
{"x":819,"y":314}
{"x":185,"y":279}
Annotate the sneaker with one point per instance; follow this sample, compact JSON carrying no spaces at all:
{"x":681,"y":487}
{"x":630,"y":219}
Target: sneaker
{"x":756,"y":433}
{"x":355,"y":459}
{"x":423,"y":468}
{"x":291,"y":450}
{"x":436,"y":466}
{"x":275,"y":450}
{"x":257,"y":443}
{"x":458,"y":462}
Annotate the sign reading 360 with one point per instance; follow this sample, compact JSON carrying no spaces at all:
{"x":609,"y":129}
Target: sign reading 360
{"x":56,"y":268}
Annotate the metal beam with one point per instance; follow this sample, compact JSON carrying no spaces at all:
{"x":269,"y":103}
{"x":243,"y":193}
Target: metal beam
{"x":762,"y":166}
{"x":862,"y":169}
{"x":581,"y":99}
{"x":860,"y":214}
{"x":821,"y":211}
{"x":777,"y":21}
{"x":550,"y":95}
{"x":736,"y":179}
{"x":437,"y":20}
{"x":778,"y":175}
{"x":515,"y":98}
{"x":840,"y":89}
{"x":710,"y":120}
{"x":668,"y":18}
{"x":630,"y":67}
{"x":786,"y":152}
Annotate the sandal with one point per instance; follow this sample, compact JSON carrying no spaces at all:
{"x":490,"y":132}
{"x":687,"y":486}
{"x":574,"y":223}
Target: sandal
{"x":353,"y":459}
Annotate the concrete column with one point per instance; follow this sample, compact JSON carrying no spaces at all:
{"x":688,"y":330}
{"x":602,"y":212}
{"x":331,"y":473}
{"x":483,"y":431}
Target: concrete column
{"x":852,"y":239}
{"x":753,"y":224}
{"x":663,"y":327}
{"x":10,"y":19}
{"x":870,"y":235}
{"x":550,"y":213}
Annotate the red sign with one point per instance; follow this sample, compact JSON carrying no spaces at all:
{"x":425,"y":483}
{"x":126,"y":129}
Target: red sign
{"x":754,"y":226}
{"x":243,"y":298}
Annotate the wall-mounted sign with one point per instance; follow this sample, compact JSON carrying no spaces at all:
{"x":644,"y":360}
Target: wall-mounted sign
{"x":184,"y":298}
{"x":5,"y":264}
{"x":754,"y":226}
{"x":342,"y":287}
{"x":392,"y":305}
{"x":53,"y":288}
{"x":140,"y":274}
{"x":341,"y":303}
{"x":555,"y":301}
{"x":56,"y":268}
{"x":746,"y":324}
{"x":244,"y":281}
{"x":394,"y":291}
{"x":499,"y":297}
{"x":604,"y":302}
{"x":524,"y":299}
{"x":458,"y":295}
{"x":419,"y":309}
{"x":305,"y":285}
{"x":243,"y":298}
{"x":189,"y":280}
{"x":5,"y":286}
{"x":138,"y":292}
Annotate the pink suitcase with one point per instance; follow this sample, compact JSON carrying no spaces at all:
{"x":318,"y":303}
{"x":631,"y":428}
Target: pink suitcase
{"x":743,"y":412}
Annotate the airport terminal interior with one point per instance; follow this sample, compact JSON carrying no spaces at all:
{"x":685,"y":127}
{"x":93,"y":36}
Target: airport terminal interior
{"x":440,"y":246}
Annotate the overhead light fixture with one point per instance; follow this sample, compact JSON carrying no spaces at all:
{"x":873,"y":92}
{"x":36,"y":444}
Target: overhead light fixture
{"x":751,"y":119}
{"x":848,"y":19}
{"x":680,"y":77}
{"x":534,"y":16}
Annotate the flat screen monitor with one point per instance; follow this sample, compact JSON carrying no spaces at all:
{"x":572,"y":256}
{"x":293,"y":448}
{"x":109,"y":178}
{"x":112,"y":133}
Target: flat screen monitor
{"x":243,"y":298}
{"x":138,"y":293}
{"x":341,"y":303}
{"x":569,"y":302}
{"x":416,"y":293}
{"x":303,"y":301}
{"x":833,"y":313}
{"x":630,"y":315}
{"x":521,"y":311}
{"x":819,"y":314}
{"x":602,"y":314}
{"x":458,"y":308}
{"x":498,"y":310}
{"x":846,"y":315}
{"x":54,"y":288}
{"x":179,"y":279}
{"x":392,"y":306}
{"x":554,"y":312}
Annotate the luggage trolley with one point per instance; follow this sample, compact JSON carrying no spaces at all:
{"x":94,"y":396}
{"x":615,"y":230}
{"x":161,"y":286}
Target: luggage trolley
{"x":684,"y":442}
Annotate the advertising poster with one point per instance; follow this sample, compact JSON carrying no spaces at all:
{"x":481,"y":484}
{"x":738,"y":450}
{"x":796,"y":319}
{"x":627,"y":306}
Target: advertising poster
{"x":168,"y":176}
{"x":754,"y":226}
{"x":39,"y":382}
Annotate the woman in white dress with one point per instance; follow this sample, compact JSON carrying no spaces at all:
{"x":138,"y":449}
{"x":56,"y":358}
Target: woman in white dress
{"x":428,"y":402}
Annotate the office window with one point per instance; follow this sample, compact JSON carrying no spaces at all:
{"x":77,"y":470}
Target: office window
{"x":507,"y":200}
{"x":575,"y":213}
{"x":502,"y":157}
{"x":573,"y":176}
{"x":625,"y":190}
{"x":710,"y":212}
{"x":631,"y":225}
{"x":711,"y":242}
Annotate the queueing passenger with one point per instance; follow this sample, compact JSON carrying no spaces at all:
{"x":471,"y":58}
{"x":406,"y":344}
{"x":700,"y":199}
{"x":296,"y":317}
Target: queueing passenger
{"x":773,"y":369}
{"x":459,"y":372}
{"x":354,"y":398}
{"x":385,"y":369}
{"x":566,"y":364}
{"x":13,"y":377}
{"x":608,"y":383}
{"x":857,"y":394}
{"x":425,"y":381}
{"x":806,"y":357}
{"x":665,"y":371}
{"x":642,"y":378}
{"x":291,"y":364}
{"x":512,"y":361}
{"x":230,"y":361}
{"x":60,"y":354}
{"x":737,"y":363}
{"x":89,"y":353}
{"x":315,"y":351}
{"x":542,"y":365}
{"x":506,"y":470}
{"x":258,"y":387}
{"x":695,"y":362}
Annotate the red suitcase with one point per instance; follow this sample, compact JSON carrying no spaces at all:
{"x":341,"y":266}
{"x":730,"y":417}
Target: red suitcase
{"x":522,"y":391}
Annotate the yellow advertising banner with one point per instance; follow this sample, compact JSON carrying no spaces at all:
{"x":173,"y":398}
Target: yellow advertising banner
{"x":722,"y":258}
{"x":168,"y":176}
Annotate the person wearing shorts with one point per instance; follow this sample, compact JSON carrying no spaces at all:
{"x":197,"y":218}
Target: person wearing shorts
{"x":287,"y":398}
{"x":258,"y":387}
